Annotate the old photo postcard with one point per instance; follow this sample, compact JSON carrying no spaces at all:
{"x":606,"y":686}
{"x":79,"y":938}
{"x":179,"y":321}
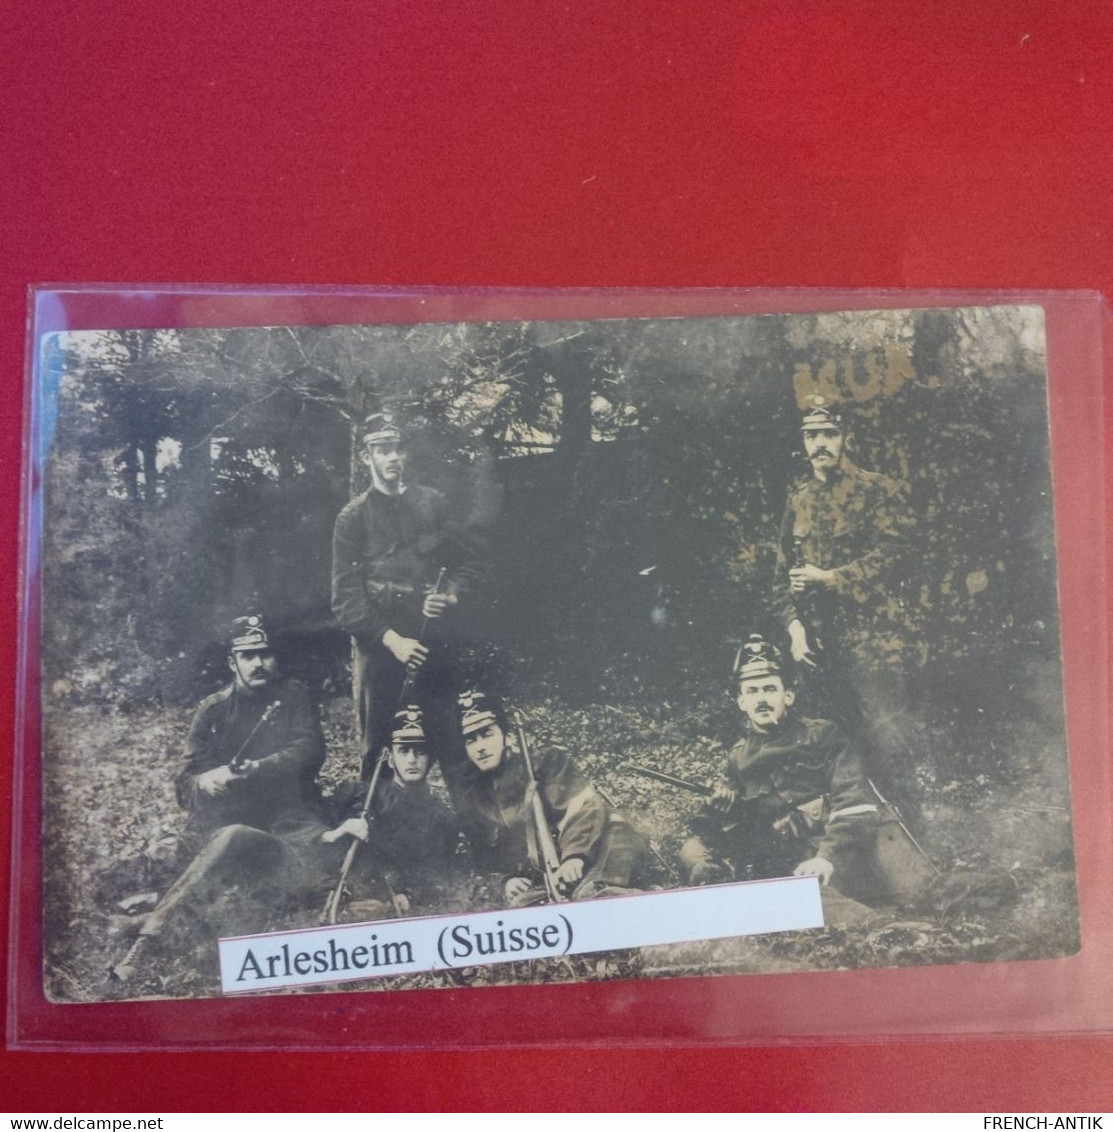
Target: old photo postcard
{"x":481,"y":653}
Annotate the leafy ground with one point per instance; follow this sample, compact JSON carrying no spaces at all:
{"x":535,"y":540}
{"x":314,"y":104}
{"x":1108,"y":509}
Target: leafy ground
{"x":111,"y":822}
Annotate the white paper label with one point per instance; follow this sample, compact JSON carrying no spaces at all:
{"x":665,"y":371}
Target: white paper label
{"x":343,"y":952}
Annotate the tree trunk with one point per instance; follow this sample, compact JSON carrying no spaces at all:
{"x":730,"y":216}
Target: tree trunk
{"x":150,"y":469}
{"x":130,"y":463}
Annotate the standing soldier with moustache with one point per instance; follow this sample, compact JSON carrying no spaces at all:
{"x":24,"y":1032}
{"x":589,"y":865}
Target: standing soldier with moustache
{"x":389,"y":546}
{"x":248,"y":781}
{"x":842,"y":538}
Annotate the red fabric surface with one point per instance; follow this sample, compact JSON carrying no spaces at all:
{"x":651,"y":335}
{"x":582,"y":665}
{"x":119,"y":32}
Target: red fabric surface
{"x":645,"y":143}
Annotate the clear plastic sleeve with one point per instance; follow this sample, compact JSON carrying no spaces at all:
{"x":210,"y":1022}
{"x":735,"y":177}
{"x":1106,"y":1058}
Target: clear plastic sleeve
{"x":880,"y":511}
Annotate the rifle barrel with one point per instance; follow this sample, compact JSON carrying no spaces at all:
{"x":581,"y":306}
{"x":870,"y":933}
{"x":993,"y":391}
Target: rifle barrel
{"x":237,"y":760}
{"x":336,"y":896}
{"x":546,"y":848}
{"x":672,"y":780}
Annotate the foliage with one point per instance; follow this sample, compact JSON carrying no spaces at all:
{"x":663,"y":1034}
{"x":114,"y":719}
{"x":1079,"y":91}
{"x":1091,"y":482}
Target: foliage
{"x":631,"y":475}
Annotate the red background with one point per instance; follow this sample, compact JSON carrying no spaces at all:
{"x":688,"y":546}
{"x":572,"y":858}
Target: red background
{"x":636,"y":143}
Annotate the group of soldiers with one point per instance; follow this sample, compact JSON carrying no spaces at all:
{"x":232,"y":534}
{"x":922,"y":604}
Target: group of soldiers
{"x":522,"y":826}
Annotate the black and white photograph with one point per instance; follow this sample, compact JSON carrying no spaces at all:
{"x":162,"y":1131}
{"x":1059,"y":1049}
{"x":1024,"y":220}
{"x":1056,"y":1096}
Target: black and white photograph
{"x":364,"y":623}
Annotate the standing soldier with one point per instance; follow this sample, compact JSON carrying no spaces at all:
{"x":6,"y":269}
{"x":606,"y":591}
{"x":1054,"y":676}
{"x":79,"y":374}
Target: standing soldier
{"x":793,"y":800}
{"x":248,"y":780}
{"x":411,"y":837}
{"x":535,"y":822}
{"x":389,"y":546}
{"x":844,"y":531}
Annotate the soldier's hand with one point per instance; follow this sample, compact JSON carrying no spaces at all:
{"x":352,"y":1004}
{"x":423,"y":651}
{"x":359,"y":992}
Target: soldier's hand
{"x":709,"y":872}
{"x":435,"y":604}
{"x":215,"y":781}
{"x":801,"y":650}
{"x":800,"y":577}
{"x":405,"y":650}
{"x":401,"y":903}
{"x":353,"y":827}
{"x":722,"y":798}
{"x":815,"y":867}
{"x":515,"y":887}
{"x":570,"y":873}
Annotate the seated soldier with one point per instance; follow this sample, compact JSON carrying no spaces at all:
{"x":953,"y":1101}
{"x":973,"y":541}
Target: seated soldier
{"x":248,"y":781}
{"x":412,"y":837}
{"x":793,"y":800}
{"x":591,"y":850}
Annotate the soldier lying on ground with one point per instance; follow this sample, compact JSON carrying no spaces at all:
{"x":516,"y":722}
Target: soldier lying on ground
{"x":411,"y":837}
{"x":249,"y":783}
{"x":794,"y":800}
{"x":591,"y":849}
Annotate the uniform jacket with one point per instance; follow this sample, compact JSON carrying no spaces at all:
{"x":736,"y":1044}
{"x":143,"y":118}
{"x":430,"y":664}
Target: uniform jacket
{"x":386,"y":550}
{"x":806,"y":771}
{"x":412,"y":838}
{"x":289,"y":747}
{"x":856,"y":525}
{"x":494,"y":813}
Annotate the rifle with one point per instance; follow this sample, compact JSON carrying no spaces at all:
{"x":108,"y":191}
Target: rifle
{"x":764,"y":844}
{"x":605,"y":795}
{"x":901,"y":826}
{"x":336,"y":896}
{"x":546,"y":847}
{"x":237,"y":761}
{"x":807,"y":601}
{"x":672,"y":780}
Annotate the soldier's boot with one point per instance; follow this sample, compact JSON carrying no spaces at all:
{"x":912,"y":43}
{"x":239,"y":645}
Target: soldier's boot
{"x":841,"y":911}
{"x":128,"y":967}
{"x":700,"y":866}
{"x":529,"y":899}
{"x":230,"y":846}
{"x":369,"y":910}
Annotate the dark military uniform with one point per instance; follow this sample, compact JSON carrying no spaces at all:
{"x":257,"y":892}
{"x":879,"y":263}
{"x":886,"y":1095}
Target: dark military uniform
{"x":799,"y":793}
{"x":496,"y":813}
{"x":411,"y":848}
{"x":387,"y":553}
{"x":264,"y":827}
{"x":855,"y":525}
{"x":287,"y":747}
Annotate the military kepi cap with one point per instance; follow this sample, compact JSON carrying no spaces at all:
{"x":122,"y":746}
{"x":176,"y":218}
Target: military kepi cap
{"x":820,"y":412}
{"x":757,"y":658}
{"x":477,"y":710}
{"x":408,"y":727}
{"x":249,"y":634}
{"x":381,"y":428}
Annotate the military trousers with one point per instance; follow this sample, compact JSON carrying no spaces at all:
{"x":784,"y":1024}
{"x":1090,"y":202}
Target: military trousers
{"x":623,"y":864}
{"x":377,"y":685}
{"x":232,"y":855}
{"x":702,"y":865}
